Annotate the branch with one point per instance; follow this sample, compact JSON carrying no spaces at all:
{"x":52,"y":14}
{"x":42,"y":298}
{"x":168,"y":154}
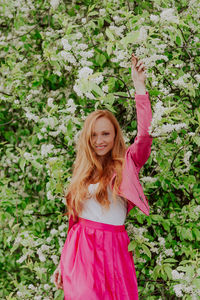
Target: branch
{"x":123,"y":83}
{"x":18,"y":36}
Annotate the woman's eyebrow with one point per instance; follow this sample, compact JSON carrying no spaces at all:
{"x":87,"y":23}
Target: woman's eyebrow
{"x":104,"y":131}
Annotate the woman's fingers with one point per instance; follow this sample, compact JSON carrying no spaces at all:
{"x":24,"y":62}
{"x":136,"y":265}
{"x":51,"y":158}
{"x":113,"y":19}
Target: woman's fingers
{"x":58,"y":279}
{"x":138,"y":64}
{"x":141,"y":68}
{"x":134,"y":61}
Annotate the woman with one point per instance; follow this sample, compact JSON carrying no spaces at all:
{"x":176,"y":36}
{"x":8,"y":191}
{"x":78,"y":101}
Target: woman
{"x":95,"y":263}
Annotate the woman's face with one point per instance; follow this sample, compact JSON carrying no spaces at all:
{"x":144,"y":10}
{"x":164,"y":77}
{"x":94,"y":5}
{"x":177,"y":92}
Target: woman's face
{"x":103,"y":136}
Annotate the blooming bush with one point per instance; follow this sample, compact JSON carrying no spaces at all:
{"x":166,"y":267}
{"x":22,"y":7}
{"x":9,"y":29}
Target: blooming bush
{"x":61,"y":60}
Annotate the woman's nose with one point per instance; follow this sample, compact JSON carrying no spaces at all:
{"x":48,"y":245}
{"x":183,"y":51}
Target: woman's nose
{"x":98,"y":139}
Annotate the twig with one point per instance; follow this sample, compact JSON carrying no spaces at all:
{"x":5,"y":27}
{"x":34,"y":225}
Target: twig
{"x":122,"y":81}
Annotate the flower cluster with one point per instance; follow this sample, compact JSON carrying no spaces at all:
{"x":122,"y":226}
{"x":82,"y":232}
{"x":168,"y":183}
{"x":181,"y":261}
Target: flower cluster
{"x":155,"y":130}
{"x":186,"y":285}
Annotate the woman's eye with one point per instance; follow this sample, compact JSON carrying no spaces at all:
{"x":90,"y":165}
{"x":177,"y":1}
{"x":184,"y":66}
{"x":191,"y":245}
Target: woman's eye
{"x":106,"y":133}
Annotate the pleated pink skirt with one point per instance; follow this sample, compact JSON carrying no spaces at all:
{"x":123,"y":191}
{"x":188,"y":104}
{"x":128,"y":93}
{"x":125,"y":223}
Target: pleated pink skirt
{"x":96,"y":264}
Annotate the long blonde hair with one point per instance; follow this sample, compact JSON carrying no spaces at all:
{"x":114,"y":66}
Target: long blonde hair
{"x":87,"y":163}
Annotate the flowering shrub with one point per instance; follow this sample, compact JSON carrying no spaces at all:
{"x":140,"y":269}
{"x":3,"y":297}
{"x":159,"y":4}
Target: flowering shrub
{"x":61,"y":60}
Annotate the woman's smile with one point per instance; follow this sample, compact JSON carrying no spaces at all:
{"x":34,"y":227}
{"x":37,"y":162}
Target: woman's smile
{"x":100,"y":147}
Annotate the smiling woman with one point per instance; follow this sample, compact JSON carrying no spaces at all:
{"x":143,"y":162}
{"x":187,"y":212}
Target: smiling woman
{"x":104,"y":188}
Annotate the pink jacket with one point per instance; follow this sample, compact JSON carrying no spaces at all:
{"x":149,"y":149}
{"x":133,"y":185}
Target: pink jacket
{"x":135,"y":157}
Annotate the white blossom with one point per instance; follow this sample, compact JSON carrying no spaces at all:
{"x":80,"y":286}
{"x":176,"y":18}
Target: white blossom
{"x":46,"y":149}
{"x":177,"y":275}
{"x":87,"y":54}
{"x":118,"y":30}
{"x":159,"y":260}
{"x":31,"y":116}
{"x":53,"y":231}
{"x":46,"y":286}
{"x":161,"y":241}
{"x":168,"y":15}
{"x":166,"y":128}
{"x":31,"y":287}
{"x":82,"y":46}
{"x":151,"y":61}
{"x":54,"y":3}
{"x":178,"y":290}
{"x":55,"y":259}
{"x":20,"y":294}
{"x":178,"y":140}
{"x":22,"y":258}
{"x":41,"y":255}
{"x":61,"y":227}
{"x":102,"y":12}
{"x":89,"y":95}
{"x":50,"y":196}
{"x":77,"y":89}
{"x":83,"y":20}
{"x":78,"y":36}
{"x":117,"y":19}
{"x":154,"y":18}
{"x":187,"y":158}
{"x":148,"y":179}
{"x":84,"y":72}
{"x":142,"y":34}
{"x":191,"y":133}
{"x":50,"y":102}
{"x":66,"y":44}
{"x":124,"y":64}
{"x":38,"y":298}
{"x":197,"y":76}
{"x":68,"y":68}
{"x":169,"y":252}
{"x":49,"y":239}
{"x":68,"y":57}
{"x":85,"y":63}
{"x":28,"y":156}
{"x":159,"y":110}
{"x":50,"y":121}
{"x":105,"y":88}
{"x":45,"y":248}
{"x":97,"y":79}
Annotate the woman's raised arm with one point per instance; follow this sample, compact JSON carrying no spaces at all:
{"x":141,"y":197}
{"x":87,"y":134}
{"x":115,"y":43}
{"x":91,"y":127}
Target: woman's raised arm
{"x":141,"y":148}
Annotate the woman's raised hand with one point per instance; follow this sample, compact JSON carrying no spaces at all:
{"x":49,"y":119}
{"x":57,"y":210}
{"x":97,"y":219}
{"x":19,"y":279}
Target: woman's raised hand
{"x":138,"y":74}
{"x":58,"y":278}
{"x":137,"y":69}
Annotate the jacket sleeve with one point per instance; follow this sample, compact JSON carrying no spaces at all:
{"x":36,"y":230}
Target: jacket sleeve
{"x":141,"y":148}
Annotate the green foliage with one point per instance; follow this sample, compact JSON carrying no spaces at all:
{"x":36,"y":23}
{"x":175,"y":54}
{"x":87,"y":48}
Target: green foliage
{"x":60,"y":60}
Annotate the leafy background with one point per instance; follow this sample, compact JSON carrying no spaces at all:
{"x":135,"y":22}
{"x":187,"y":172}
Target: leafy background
{"x":60,"y":60}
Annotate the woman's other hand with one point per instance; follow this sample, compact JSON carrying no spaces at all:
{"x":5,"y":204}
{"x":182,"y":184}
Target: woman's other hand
{"x":58,"y":278}
{"x":138,"y":74}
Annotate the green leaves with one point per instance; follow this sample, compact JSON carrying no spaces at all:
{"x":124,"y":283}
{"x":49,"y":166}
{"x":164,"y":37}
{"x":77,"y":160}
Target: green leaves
{"x":100,"y":59}
{"x":130,"y":38}
{"x":44,"y":102}
{"x":146,"y":250}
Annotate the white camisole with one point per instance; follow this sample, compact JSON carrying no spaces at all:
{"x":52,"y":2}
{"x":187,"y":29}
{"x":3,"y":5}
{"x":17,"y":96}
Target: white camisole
{"x":94,"y":211}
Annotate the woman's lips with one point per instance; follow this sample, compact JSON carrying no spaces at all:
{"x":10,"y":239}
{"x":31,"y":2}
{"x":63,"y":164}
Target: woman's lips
{"x":100,"y":147}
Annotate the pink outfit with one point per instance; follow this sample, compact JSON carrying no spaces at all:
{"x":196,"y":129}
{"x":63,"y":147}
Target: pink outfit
{"x":95,"y":262}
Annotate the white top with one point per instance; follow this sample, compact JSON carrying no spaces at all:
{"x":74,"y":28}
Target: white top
{"x":94,"y":211}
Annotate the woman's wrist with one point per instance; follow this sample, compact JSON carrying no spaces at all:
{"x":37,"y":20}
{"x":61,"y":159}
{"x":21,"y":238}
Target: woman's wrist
{"x":140,"y":88}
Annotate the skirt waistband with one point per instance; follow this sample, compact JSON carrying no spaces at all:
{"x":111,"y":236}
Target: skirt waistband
{"x":102,"y":226}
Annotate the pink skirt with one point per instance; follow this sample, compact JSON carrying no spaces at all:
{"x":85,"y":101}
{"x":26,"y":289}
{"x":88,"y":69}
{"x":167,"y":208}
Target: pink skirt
{"x":96,"y":264}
